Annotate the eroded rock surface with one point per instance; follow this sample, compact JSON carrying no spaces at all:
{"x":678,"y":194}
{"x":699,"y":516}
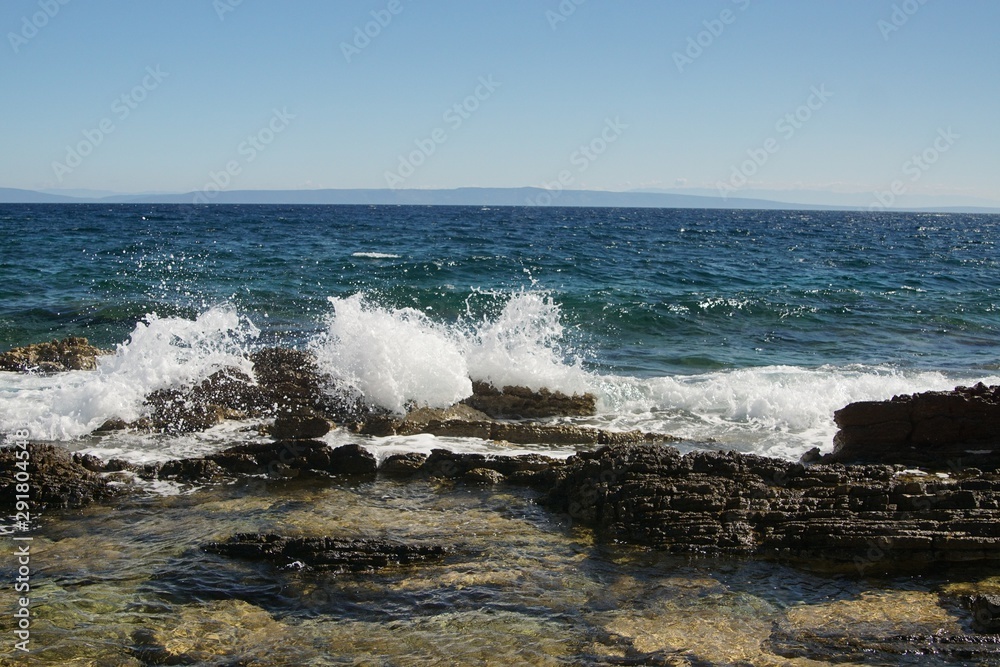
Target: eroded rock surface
{"x":524,"y":403}
{"x":714,"y":503}
{"x":55,"y":479}
{"x":286,"y":386}
{"x":938,"y":429}
{"x":284,"y":458}
{"x":68,"y":354}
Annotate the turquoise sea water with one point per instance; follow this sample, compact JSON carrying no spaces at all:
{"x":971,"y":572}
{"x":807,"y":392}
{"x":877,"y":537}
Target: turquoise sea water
{"x":746,"y":327}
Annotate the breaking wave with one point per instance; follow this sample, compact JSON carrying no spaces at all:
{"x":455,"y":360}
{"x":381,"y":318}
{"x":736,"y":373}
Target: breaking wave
{"x":399,"y":357}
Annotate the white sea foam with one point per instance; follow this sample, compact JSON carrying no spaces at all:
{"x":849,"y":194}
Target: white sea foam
{"x":375,"y":255}
{"x":160,"y":353}
{"x":776,"y":410}
{"x":397,"y":358}
{"x":392,"y":357}
{"x":400,"y":357}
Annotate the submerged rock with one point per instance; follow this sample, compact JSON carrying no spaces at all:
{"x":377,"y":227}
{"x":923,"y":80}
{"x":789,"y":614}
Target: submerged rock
{"x":985,"y":613}
{"x":212,"y":633}
{"x":68,"y":354}
{"x":880,"y":627}
{"x":524,"y":403}
{"x":868,"y":516}
{"x":942,"y":429}
{"x":325,"y":553}
{"x":55,"y":479}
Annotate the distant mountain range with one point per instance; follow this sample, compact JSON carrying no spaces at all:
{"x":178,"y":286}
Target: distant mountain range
{"x":455,"y":197}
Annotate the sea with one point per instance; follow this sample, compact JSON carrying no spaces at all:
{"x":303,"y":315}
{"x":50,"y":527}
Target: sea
{"x":735,"y":330}
{"x":740,"y":329}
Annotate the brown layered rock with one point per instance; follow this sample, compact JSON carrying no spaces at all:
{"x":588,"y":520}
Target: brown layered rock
{"x":524,"y":403}
{"x":868,"y":516}
{"x":325,"y":553}
{"x":527,"y":469}
{"x":300,"y":455}
{"x":937,"y":429}
{"x":463,"y":421}
{"x":68,"y":354}
{"x":55,"y":479}
{"x":402,"y":466}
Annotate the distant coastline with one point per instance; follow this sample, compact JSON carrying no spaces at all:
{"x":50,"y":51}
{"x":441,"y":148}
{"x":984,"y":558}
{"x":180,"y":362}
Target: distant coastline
{"x":462,"y":197}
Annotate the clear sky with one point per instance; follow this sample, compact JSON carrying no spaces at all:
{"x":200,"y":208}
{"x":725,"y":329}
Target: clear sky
{"x":160,"y":95}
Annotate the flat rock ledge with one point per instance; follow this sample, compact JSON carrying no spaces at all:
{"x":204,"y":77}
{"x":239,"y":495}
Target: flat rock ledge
{"x":516,"y":433}
{"x":513,"y":402}
{"x":866,"y":517}
{"x":939,"y":429}
{"x":326,"y":554}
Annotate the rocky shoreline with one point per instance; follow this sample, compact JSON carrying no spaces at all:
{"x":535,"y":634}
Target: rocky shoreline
{"x":840,"y":510}
{"x":275,"y":525}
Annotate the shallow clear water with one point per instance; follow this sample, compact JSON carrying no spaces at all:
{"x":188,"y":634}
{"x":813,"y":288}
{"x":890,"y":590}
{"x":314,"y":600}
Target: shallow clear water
{"x":523,"y":587}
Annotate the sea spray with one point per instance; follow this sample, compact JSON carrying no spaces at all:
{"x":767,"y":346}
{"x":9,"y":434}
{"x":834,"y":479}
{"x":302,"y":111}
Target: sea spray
{"x":160,"y":353}
{"x":523,"y":345}
{"x":393,"y":358}
{"x":397,"y":358}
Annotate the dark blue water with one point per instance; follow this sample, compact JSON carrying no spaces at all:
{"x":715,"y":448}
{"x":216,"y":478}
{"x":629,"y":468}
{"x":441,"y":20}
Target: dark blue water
{"x":642,"y":291}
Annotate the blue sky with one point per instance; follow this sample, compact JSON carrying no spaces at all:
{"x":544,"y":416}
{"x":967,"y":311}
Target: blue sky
{"x":604,"y":95}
